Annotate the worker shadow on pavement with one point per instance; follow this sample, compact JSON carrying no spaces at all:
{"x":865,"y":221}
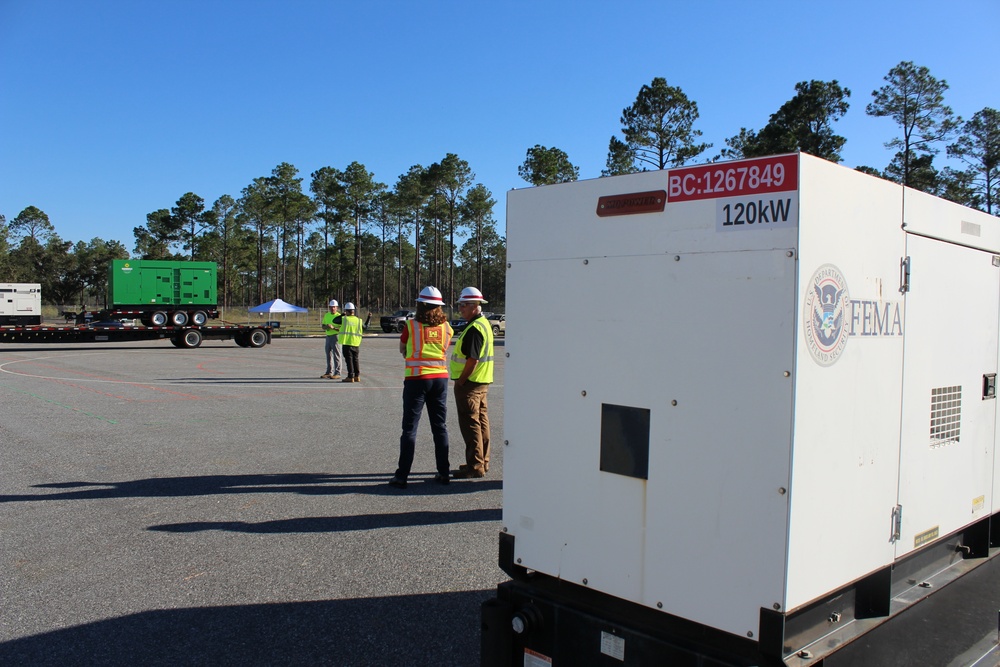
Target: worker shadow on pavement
{"x":424,"y":629}
{"x":299,"y":483}
{"x":337,"y":524}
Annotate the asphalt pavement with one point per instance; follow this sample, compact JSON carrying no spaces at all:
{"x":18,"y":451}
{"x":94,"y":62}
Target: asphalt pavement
{"x":226,"y":506}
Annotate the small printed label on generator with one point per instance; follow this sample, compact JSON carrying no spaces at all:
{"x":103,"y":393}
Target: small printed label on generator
{"x":752,"y":177}
{"x":926,"y":537}
{"x":632,"y":203}
{"x":746,"y":213}
{"x":536,"y":659}
{"x":978,"y":503}
{"x":613,"y":645}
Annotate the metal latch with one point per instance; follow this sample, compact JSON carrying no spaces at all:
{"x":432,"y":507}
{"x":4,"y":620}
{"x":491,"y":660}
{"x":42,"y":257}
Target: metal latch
{"x":897,"y":523}
{"x":989,"y":386}
{"x":904,"y":275}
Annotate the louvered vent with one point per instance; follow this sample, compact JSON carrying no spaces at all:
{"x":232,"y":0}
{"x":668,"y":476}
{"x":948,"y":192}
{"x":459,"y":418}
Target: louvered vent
{"x":946,"y":416}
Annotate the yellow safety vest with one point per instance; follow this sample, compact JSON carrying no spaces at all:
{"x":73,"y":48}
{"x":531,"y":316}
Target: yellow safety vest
{"x":483,"y":372}
{"x":426,"y":349}
{"x":328,"y":318}
{"x":352,"y":330}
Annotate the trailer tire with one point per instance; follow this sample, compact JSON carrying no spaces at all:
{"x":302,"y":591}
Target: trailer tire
{"x":199,"y":317}
{"x":189,"y":338}
{"x":179,"y":318}
{"x":158,"y":319}
{"x":176,"y":342}
{"x":241,"y":340}
{"x":257,"y":338}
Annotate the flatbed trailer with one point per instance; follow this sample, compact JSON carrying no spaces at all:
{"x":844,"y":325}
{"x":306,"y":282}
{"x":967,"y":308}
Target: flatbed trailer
{"x":183,"y":337}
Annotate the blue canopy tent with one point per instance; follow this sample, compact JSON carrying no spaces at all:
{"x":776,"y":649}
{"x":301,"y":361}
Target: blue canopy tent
{"x":278,"y":306}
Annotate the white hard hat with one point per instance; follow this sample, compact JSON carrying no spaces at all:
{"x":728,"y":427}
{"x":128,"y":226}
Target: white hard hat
{"x":333,"y":303}
{"x":348,"y":306}
{"x":471,"y":294}
{"x":430,"y":295}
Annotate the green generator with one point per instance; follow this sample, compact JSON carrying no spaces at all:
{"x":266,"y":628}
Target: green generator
{"x":161,"y":292}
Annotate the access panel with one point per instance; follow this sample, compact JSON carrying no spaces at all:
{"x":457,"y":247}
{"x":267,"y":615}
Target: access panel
{"x":947,"y":433}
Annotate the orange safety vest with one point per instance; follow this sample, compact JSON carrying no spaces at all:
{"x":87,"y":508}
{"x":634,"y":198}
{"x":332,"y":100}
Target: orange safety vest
{"x":426,"y":349}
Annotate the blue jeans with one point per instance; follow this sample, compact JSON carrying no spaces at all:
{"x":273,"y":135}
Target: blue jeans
{"x":416,"y":394}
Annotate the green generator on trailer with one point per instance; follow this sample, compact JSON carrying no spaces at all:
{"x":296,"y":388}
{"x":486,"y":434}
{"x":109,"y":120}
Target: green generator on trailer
{"x":162,"y":292}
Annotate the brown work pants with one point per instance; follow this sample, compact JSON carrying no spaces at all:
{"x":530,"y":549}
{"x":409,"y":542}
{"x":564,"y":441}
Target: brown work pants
{"x":474,"y":422}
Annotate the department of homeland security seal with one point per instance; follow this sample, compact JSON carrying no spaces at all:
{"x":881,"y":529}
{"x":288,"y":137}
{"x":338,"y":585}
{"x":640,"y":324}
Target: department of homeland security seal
{"x":825,"y":315}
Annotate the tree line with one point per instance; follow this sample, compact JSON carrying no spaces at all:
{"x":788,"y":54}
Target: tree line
{"x":356,"y":239}
{"x":352,"y":238}
{"x":658,"y":132}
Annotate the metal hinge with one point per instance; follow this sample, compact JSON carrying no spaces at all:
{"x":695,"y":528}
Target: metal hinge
{"x":904,"y":275}
{"x":897,"y":523}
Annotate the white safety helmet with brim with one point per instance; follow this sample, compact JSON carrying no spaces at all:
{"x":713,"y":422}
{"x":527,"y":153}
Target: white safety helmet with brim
{"x":431,"y":295}
{"x":471,"y":295}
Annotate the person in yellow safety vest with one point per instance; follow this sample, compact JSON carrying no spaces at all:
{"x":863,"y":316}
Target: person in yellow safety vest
{"x":424,"y":345}
{"x":334,"y":358}
{"x":472,"y":371}
{"x":352,"y":330}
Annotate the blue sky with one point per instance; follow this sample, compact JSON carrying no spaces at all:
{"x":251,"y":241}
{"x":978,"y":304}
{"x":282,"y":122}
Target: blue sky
{"x":111,"y":109}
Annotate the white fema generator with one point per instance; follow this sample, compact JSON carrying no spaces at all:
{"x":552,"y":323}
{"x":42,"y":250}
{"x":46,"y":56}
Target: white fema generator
{"x":20,"y":303}
{"x":802,"y":429}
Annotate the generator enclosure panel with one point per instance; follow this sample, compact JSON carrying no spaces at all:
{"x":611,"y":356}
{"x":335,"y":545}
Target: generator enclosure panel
{"x":144,"y":282}
{"x":20,"y":303}
{"x":784,"y":384}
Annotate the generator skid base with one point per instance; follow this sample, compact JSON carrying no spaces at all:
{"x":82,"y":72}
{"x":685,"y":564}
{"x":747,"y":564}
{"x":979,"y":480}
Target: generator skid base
{"x":938,"y":607}
{"x":565,"y":624}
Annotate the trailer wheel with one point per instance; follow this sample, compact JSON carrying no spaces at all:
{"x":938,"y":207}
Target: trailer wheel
{"x":191,"y":338}
{"x":178,"y":318}
{"x":241,"y":340}
{"x":158,"y":319}
{"x":257,"y":338}
{"x":199,"y":317}
{"x":176,"y":342}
